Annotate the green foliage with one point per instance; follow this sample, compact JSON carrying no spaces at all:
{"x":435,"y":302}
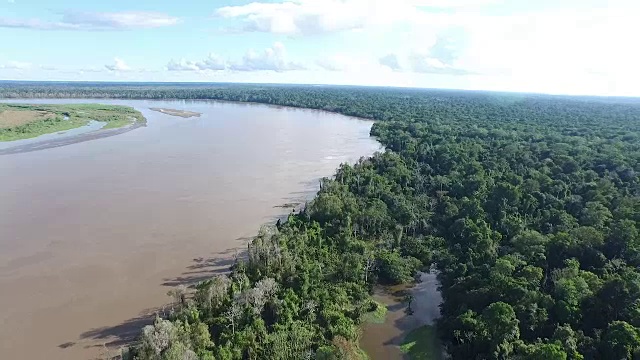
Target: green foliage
{"x":394,"y":269}
{"x":66,"y":117}
{"x":422,"y":344}
{"x":378,"y":315}
{"x":527,"y":205}
{"x":545,"y":352}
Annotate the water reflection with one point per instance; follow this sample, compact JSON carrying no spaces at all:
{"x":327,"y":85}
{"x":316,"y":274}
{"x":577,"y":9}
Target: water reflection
{"x":382,"y":341}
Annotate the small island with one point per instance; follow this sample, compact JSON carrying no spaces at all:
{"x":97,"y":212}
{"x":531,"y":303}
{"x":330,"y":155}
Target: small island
{"x":24,"y":121}
{"x":174,"y":112}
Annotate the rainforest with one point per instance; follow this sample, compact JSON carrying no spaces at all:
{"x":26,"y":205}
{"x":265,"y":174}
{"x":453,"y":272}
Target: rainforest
{"x":526,"y":206}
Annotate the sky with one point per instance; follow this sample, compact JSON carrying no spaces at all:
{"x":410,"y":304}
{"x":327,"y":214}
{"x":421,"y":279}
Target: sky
{"x":585,"y":47}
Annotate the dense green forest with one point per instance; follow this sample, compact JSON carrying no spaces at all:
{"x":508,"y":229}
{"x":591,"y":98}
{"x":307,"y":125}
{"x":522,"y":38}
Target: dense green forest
{"x":527,"y":205}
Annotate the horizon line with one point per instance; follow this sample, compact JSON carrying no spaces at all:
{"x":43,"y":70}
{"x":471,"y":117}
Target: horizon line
{"x":318,"y":85}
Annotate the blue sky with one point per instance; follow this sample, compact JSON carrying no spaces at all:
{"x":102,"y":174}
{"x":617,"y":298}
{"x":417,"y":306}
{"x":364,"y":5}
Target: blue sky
{"x":561,"y":46}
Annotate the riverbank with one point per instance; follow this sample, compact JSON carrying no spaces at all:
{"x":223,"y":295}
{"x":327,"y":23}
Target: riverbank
{"x":26,"y":121}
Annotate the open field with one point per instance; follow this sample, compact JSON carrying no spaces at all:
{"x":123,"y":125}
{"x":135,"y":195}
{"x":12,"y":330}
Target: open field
{"x":13,"y":118}
{"x":23,"y":121}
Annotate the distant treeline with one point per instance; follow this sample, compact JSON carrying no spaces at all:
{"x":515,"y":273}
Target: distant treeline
{"x":528,"y":205}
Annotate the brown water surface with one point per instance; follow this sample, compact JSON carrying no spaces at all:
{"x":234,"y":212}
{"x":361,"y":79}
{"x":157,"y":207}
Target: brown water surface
{"x":382,"y":341}
{"x":93,"y":234}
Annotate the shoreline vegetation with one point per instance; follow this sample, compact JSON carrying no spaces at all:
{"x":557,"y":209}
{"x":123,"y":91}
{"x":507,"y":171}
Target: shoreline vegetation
{"x":528,"y":207}
{"x":179,"y":113}
{"x":25,"y":121}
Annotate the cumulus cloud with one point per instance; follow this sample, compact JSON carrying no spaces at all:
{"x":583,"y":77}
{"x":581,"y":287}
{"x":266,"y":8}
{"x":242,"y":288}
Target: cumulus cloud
{"x":118,"y":65}
{"x":391,"y":61}
{"x":213,"y":62}
{"x":331,"y":64}
{"x":74,"y":20}
{"x":447,"y":48}
{"x":455,"y":3}
{"x":271,"y":59}
{"x":424,"y":63}
{"x":441,"y":57}
{"x":182,"y":65}
{"x":16,"y":65}
{"x":309,"y":17}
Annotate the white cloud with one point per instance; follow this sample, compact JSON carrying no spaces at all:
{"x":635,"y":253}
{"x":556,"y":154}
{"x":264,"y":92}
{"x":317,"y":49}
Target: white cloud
{"x":330,"y":63}
{"x":118,"y":65}
{"x":543,"y":46}
{"x":309,"y":17}
{"x":73,"y":20}
{"x":439,"y":56}
{"x":549,"y":45}
{"x":425,"y":63}
{"x":16,"y":65}
{"x":454,"y":3}
{"x":390,"y":61}
{"x":555,"y":45}
{"x":313,"y":17}
{"x":271,"y":59}
{"x":421,"y":62}
{"x":182,"y":65}
{"x":213,"y":62}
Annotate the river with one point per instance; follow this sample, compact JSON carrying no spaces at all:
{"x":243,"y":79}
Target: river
{"x":94,"y":234}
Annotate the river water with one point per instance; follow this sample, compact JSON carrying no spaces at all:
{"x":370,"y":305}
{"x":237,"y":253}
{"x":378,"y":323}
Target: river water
{"x":382,"y":341}
{"x":93,"y":234}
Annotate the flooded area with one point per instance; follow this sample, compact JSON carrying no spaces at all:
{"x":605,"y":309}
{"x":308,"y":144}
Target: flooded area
{"x":93,"y":234}
{"x":382,"y":341}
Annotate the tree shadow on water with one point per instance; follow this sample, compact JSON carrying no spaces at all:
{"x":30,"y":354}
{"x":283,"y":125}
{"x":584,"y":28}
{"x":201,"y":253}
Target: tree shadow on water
{"x":121,"y":334}
{"x":204,"y":269}
{"x":108,"y":340}
{"x":113,"y":337}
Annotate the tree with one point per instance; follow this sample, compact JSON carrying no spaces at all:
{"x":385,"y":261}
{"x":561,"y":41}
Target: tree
{"x":620,"y":341}
{"x":546,"y":352}
{"x":502,"y":329}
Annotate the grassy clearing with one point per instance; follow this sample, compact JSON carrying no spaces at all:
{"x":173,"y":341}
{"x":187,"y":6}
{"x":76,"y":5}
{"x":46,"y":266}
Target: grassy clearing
{"x":13,"y":118}
{"x":422,"y":344}
{"x":23,"y":121}
{"x":378,"y":316}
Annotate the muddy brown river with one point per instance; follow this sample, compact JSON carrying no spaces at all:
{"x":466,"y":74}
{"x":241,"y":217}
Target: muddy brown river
{"x":93,"y":234}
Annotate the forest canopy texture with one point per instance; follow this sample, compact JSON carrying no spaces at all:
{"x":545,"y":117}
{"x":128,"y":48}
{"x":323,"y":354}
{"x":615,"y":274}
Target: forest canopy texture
{"x":527,"y":205}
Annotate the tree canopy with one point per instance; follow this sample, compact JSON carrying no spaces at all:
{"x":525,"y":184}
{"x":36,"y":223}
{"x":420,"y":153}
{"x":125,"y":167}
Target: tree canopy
{"x":527,"y":205}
